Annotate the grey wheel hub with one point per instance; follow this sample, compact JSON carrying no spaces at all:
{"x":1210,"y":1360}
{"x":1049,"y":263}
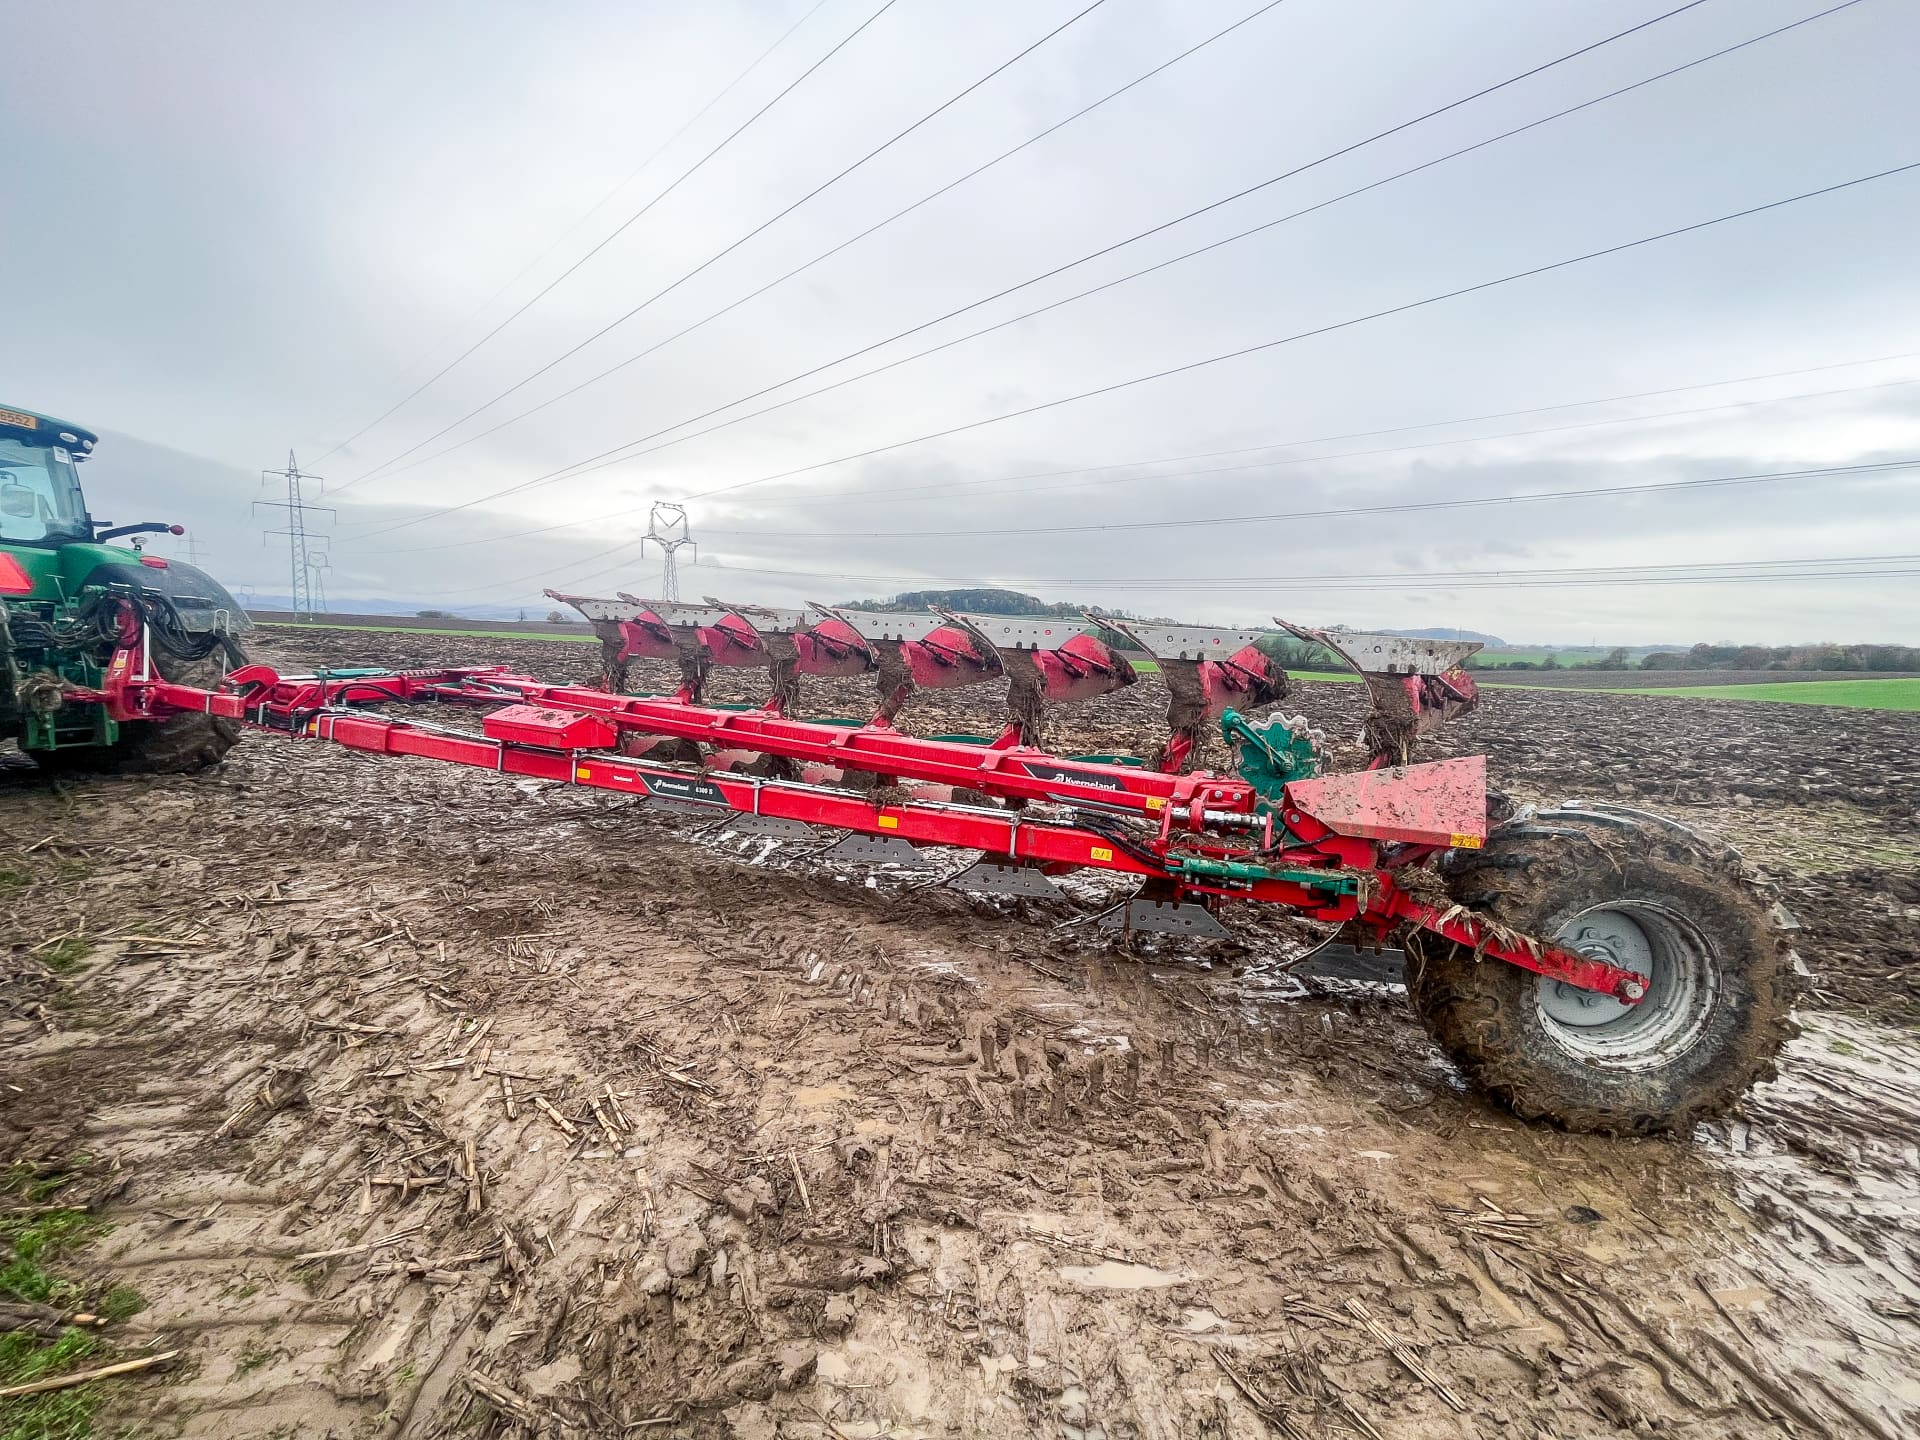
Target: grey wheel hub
{"x":1658,"y":943}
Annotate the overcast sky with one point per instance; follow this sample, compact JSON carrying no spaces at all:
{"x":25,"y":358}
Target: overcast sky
{"x":236,"y":229}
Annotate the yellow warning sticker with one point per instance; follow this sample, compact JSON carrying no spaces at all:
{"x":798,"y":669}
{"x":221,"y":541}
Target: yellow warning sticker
{"x":1156,"y":802}
{"x":1101,"y":852}
{"x":1466,"y":842}
{"x":889,"y":822}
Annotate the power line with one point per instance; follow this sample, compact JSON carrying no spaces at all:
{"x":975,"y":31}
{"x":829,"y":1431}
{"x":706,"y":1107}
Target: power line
{"x":1716,"y":571}
{"x":736,"y":244}
{"x":877,"y":226}
{"x":1267,"y":345}
{"x":602,"y":202}
{"x":627,"y":544}
{"x":617,"y":453}
{"x":1272,"y":517}
{"x":664,"y":146}
{"x":1547,"y":578}
{"x":888,"y":492}
{"x":1394,"y":429}
{"x":614,"y":234}
{"x":1030,"y":489}
{"x":1137,"y":274}
{"x":1294,"y":516}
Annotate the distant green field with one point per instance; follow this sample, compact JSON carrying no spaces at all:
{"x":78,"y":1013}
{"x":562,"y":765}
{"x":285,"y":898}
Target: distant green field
{"x":1492,"y":658}
{"x":1854,"y":694}
{"x":1566,"y":656}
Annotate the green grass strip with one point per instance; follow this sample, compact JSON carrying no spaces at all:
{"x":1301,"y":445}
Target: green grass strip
{"x":1898,"y":695}
{"x":32,"y":1243}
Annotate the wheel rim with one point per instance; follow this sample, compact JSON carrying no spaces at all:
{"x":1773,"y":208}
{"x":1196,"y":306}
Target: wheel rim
{"x":1656,"y":942}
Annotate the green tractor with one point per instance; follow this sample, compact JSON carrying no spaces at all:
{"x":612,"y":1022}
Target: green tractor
{"x":67,"y":597}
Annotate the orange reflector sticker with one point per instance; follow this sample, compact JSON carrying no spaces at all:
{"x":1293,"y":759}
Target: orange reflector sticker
{"x":582,"y":773}
{"x":1466,"y":842}
{"x":889,"y":822}
{"x":1101,"y":852}
{"x":14,"y":579}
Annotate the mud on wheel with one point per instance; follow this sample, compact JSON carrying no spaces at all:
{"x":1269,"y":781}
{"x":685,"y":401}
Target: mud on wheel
{"x":1637,"y":891}
{"x":179,"y":744}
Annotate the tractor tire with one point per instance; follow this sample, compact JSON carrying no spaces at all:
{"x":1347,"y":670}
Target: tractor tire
{"x":174,"y":746}
{"x":1642,"y":892}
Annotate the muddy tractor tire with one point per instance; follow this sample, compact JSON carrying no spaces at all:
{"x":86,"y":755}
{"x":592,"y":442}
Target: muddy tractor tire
{"x":1641,"y":892}
{"x":174,"y":746}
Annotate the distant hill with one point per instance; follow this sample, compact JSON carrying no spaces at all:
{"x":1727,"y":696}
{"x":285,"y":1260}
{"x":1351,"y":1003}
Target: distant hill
{"x":1441,"y":632}
{"x":973,"y":602}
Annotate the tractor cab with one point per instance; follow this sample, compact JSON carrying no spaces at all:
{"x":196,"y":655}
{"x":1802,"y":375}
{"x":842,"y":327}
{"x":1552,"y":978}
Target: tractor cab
{"x":40,"y":497}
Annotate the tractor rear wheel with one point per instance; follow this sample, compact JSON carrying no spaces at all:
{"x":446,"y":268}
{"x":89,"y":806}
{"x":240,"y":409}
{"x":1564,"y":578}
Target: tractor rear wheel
{"x":173,"y":746}
{"x":1638,"y":891}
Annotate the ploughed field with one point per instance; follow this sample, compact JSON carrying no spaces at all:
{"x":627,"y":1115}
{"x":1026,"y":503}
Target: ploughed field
{"x":425,"y":1102}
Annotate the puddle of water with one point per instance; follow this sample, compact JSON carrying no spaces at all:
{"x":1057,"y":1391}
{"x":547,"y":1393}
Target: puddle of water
{"x":1826,"y":1160}
{"x":1118,"y":1275}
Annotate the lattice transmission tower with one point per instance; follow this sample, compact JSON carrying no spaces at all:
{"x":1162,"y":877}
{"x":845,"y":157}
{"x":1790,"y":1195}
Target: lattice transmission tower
{"x":667,"y":527}
{"x":300,"y":559}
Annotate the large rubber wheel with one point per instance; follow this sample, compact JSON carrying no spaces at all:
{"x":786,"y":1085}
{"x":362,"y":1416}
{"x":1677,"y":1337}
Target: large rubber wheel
{"x":1644,"y":893}
{"x":174,"y":746}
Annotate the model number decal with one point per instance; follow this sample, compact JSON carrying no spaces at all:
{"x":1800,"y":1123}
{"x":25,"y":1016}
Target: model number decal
{"x":672,"y":787}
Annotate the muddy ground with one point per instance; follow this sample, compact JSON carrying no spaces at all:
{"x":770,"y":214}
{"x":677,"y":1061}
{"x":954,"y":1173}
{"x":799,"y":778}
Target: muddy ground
{"x":424,"y":1102}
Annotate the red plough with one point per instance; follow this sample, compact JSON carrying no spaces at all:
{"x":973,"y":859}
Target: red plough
{"x":1353,"y":849}
{"x":1200,"y":834}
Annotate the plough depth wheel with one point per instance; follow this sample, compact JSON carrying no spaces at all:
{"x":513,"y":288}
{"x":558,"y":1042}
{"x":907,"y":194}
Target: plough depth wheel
{"x":1636,"y":891}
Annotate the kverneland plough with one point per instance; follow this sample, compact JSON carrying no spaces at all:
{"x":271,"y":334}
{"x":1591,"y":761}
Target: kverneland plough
{"x":1591,"y":964}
